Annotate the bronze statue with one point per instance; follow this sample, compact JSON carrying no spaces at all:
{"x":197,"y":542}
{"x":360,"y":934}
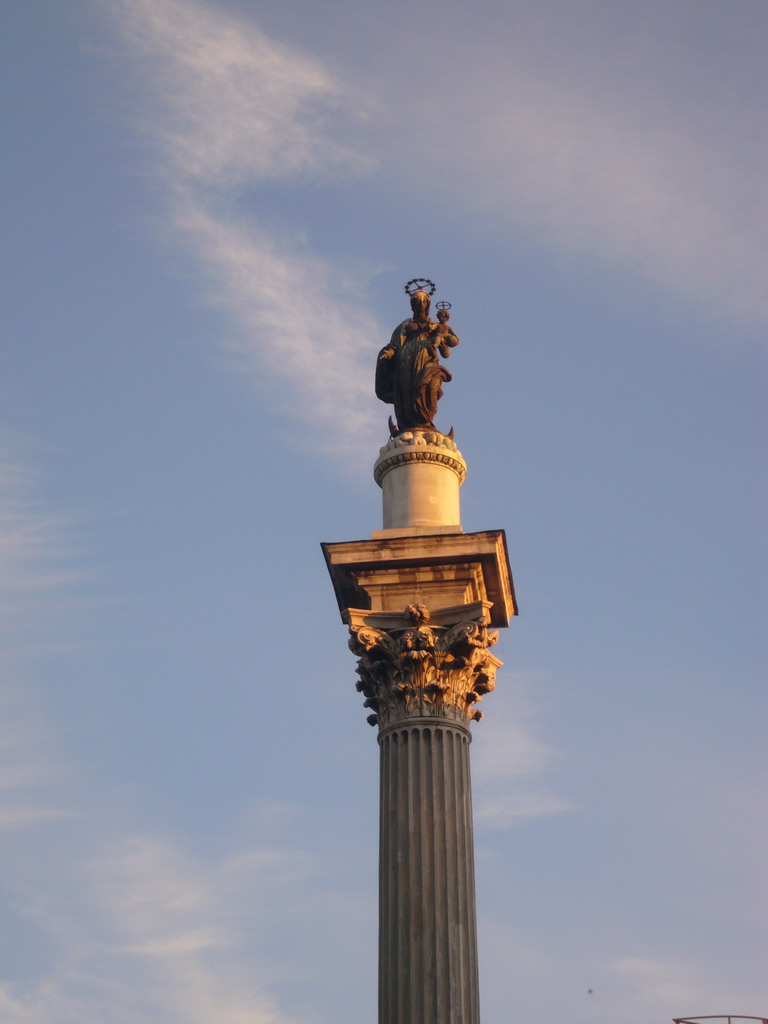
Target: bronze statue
{"x":408,"y":373}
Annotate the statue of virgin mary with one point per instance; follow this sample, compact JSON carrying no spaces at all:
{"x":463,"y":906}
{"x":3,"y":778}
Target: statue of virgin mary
{"x":408,"y":373}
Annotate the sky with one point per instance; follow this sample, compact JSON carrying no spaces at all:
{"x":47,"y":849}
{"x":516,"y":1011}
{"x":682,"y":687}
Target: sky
{"x":210,"y":208}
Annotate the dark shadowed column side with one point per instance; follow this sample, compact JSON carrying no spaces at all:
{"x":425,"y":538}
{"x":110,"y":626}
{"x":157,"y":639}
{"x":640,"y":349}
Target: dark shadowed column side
{"x":427,"y":934}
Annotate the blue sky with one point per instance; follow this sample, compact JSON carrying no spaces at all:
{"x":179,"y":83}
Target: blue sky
{"x":210,"y":210}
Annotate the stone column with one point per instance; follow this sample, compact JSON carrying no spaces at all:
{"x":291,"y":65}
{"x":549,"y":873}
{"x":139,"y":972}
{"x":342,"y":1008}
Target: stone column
{"x":427,"y":943}
{"x":419,"y":597}
{"x":421,"y":684}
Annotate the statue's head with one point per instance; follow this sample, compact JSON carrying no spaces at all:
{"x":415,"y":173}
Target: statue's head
{"x":419,"y":289}
{"x":442,"y":311}
{"x":420,"y":303}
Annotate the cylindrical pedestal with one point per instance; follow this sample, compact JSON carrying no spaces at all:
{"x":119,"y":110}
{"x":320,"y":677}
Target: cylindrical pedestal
{"x":427,"y":933}
{"x":420,"y":472}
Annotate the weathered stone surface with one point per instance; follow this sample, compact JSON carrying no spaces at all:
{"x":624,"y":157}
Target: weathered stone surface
{"x":444,"y":571}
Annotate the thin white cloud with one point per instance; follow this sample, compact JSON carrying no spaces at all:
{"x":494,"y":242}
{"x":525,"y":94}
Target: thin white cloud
{"x":506,"y":759}
{"x":172,"y":919}
{"x":667,"y":987}
{"x":591,"y":175}
{"x":295,"y":328}
{"x":28,"y":767}
{"x":233,"y":108}
{"x":36,"y":571}
{"x":230,"y":105}
{"x":665,"y":982}
{"x":26,"y":816}
{"x":145,"y":933}
{"x":607,"y":155}
{"x":591,"y":981}
{"x":14,"y":1010}
{"x":503,"y":810}
{"x":35,"y":562}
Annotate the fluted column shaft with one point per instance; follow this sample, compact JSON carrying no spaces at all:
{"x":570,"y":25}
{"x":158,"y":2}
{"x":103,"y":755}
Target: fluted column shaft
{"x":422,"y":684}
{"x":427,"y":932}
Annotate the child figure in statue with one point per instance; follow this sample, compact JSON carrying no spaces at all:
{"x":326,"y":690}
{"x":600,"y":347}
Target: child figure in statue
{"x":408,"y":373}
{"x":448,"y":338}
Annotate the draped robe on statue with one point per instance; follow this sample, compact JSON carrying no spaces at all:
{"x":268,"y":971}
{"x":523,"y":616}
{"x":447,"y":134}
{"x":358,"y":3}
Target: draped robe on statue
{"x":408,"y":374}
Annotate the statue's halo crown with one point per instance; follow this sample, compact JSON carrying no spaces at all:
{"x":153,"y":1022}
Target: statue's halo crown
{"x":417,"y":284}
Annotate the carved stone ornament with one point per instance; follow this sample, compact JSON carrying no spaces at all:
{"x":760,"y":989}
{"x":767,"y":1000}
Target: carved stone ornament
{"x":424,"y":671}
{"x":420,"y":446}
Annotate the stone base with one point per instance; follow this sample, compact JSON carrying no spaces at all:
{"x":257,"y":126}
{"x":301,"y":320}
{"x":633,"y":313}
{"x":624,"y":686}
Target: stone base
{"x":420,"y":472}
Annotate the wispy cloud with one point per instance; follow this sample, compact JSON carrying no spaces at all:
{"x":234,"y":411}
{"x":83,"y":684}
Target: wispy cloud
{"x":592,"y":980}
{"x":609,"y":156}
{"x":35,"y":557}
{"x":37,"y":570}
{"x":143,"y":932}
{"x":294,"y":328}
{"x":231,"y":105}
{"x":140,"y":933}
{"x":668,"y":987}
{"x":25,"y":815}
{"x":668,"y":983}
{"x":172,"y":919}
{"x":505,"y":809}
{"x":598,"y":177}
{"x":506,"y":760}
{"x":233,"y":109}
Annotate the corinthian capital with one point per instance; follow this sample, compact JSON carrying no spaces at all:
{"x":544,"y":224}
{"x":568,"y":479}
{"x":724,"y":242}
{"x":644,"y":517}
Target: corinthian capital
{"x":422,"y":670}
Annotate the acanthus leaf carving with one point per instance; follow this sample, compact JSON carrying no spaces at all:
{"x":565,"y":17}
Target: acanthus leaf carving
{"x":424,"y":670}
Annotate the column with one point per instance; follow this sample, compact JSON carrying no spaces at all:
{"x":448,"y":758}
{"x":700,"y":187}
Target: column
{"x":422,"y":684}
